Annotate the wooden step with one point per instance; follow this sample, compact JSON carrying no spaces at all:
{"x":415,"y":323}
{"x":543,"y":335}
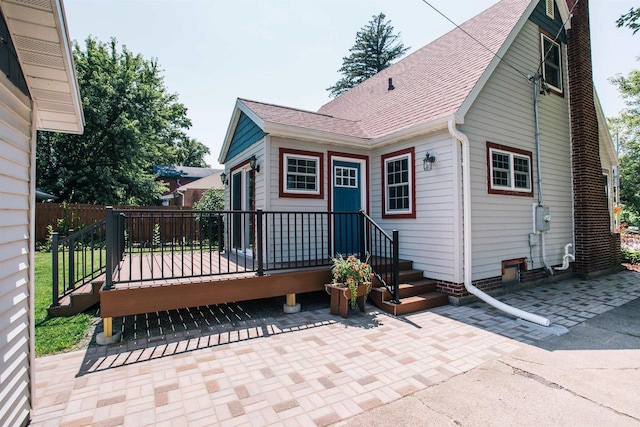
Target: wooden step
{"x":418,"y":287}
{"x":406,"y":276}
{"x":415,"y":303}
{"x":79,"y":300}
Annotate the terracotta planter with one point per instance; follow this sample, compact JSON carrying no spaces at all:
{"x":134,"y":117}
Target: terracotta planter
{"x":341,"y":297}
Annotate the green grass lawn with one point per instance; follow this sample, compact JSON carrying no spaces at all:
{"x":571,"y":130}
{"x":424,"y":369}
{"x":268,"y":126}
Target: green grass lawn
{"x":54,"y":334}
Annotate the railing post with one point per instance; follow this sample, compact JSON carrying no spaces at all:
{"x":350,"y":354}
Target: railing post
{"x":54,"y":266}
{"x":72,"y":262}
{"x":363,"y":223}
{"x":220,"y":220}
{"x":111,"y":231}
{"x":259,"y":242}
{"x":396,"y":268}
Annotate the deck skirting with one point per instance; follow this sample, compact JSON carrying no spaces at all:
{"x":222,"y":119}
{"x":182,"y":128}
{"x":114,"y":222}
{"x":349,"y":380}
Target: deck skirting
{"x":125,"y":301}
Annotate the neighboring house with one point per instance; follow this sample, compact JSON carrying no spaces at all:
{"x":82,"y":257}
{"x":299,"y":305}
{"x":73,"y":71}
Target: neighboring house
{"x":38,"y":91}
{"x":175,"y":176}
{"x":188,"y":194}
{"x":441,"y":146}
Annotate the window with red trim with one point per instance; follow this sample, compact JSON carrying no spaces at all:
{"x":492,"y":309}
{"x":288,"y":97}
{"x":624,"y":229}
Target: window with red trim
{"x":398,"y":184}
{"x":301,"y":173}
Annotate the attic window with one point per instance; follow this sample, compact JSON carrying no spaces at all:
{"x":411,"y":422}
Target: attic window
{"x":552,"y":64}
{"x":549,"y":9}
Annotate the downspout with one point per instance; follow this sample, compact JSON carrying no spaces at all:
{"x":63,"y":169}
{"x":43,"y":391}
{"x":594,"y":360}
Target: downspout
{"x":535,"y":79}
{"x":466,"y":219}
{"x":182,"y":196}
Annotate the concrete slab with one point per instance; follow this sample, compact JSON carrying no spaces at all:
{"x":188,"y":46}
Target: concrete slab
{"x":409,"y":411}
{"x":498,"y":395}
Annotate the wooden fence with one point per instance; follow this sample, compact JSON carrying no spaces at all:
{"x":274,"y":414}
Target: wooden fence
{"x":76,"y":216}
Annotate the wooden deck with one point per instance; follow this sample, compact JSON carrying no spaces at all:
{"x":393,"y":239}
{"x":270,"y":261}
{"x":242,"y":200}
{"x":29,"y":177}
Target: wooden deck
{"x":159,"y":269}
{"x":155,"y":282}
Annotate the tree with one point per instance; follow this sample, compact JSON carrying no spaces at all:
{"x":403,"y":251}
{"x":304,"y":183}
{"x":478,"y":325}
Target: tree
{"x":376,"y":47}
{"x":630,"y":20}
{"x":132,"y":123}
{"x":627,"y":127}
{"x":211,"y":224}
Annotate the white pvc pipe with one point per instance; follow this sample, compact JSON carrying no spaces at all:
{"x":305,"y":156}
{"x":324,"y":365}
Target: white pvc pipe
{"x":567,"y":258}
{"x":544,"y":254}
{"x":466,"y":218}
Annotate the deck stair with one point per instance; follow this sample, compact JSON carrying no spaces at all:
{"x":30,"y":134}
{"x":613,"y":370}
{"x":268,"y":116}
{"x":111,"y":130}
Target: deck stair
{"x":416,"y":293}
{"x":79,"y":300}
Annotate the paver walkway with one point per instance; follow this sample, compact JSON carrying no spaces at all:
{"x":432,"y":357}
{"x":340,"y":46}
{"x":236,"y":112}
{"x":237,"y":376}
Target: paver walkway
{"x":309,"y":368}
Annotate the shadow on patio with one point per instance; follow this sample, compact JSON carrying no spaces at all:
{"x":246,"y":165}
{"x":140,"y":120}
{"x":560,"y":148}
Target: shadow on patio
{"x":167,"y":333}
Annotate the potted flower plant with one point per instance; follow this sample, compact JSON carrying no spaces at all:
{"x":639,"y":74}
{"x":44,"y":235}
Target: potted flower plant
{"x":351,"y":281}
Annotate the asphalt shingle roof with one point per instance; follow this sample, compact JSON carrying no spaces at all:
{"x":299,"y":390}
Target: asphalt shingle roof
{"x":430,"y":83}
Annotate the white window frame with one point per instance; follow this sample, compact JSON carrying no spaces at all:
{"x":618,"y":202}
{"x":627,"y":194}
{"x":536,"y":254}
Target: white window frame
{"x":409,"y":183}
{"x":512,"y":172}
{"x":347,"y":177}
{"x":543,"y":56}
{"x":285,"y":172}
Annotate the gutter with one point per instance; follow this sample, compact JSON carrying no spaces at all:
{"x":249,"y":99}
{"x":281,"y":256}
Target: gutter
{"x":466,"y":220}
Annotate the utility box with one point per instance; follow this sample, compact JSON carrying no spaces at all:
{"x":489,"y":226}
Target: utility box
{"x":543,"y":218}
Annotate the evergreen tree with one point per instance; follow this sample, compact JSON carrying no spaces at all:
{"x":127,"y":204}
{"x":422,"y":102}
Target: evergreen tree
{"x":132,"y":123}
{"x":376,"y":47}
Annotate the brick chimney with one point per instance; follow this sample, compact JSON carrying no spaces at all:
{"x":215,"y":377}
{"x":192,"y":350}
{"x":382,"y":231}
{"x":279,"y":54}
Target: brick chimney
{"x":595,"y":244}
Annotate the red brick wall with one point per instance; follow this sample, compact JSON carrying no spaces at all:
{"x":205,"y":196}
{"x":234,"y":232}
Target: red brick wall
{"x":458,"y":290}
{"x":594,"y":249}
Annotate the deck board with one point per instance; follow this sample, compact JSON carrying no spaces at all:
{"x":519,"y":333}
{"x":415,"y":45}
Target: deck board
{"x":161,"y":269}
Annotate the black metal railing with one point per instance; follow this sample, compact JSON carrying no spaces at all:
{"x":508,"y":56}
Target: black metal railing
{"x":77,"y":259}
{"x":383,"y":253}
{"x":147,"y":245}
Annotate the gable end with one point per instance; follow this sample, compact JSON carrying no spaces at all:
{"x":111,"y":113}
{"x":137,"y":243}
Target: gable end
{"x":552,"y":26}
{"x":244,"y":136}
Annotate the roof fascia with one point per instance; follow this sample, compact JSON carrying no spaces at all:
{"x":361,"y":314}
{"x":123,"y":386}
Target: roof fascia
{"x":70,"y":68}
{"x":603,"y":130}
{"x":240,"y":107}
{"x":565,"y":13}
{"x":287,"y":131}
{"x":493,"y":64}
{"x":412,"y":131}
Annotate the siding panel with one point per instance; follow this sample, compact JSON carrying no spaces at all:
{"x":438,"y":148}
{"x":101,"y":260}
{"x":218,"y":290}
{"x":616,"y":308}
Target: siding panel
{"x":15,"y":157}
{"x":246,"y":134}
{"x":503,"y":114}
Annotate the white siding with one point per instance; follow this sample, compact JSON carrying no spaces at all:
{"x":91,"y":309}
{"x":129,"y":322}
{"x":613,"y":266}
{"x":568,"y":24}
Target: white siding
{"x":503,"y":114}
{"x":15,"y":255}
{"x":431,"y":240}
{"x":295,"y":243}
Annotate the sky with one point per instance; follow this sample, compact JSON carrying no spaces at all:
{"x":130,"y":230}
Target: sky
{"x":288,"y":52}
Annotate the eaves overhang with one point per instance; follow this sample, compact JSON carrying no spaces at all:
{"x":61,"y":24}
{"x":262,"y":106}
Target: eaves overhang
{"x":39,"y":32}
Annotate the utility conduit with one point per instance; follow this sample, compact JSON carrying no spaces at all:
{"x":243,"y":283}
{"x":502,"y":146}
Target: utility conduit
{"x":466,"y":219}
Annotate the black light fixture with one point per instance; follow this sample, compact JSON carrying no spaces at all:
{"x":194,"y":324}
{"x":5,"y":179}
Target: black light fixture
{"x":253,"y":163}
{"x":223,"y":178}
{"x":428,"y":161}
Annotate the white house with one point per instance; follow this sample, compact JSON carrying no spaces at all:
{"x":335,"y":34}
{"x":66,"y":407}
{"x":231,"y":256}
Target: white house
{"x":466,"y":147}
{"x":38,"y":91}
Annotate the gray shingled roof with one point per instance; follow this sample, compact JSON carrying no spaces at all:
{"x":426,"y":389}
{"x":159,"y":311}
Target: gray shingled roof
{"x":430,"y":83}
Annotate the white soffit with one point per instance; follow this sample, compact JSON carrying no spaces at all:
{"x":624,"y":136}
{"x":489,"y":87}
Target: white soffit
{"x":39,"y":32}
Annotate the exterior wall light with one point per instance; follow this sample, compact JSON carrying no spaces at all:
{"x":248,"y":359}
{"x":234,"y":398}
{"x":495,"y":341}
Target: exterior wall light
{"x":223,"y":178}
{"x":253,"y":163}
{"x":428,"y":161}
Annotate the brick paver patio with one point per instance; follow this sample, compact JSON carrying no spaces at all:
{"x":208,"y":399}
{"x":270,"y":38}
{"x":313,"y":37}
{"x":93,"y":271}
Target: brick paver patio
{"x":309,"y":368}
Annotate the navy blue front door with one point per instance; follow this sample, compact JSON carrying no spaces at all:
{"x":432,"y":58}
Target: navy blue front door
{"x":347,"y":196}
